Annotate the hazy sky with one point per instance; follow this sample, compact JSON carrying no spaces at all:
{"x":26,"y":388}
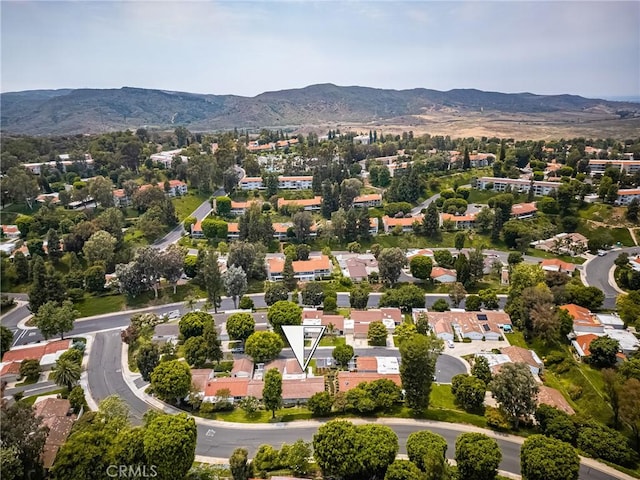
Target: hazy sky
{"x":245,"y":48}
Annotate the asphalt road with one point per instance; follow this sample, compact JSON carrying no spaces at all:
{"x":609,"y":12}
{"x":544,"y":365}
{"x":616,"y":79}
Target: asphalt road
{"x":597,"y":274}
{"x":200,"y":213}
{"x":105,"y":378}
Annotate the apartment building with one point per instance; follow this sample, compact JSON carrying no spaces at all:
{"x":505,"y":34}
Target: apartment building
{"x":628,"y":166}
{"x":389,"y":223}
{"x":371,"y":200}
{"x":627,"y":195}
{"x":519,"y":185}
{"x":316,"y":267}
{"x":303,"y":182}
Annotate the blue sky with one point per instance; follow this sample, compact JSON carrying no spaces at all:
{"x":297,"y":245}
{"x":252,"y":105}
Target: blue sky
{"x":587,"y":48}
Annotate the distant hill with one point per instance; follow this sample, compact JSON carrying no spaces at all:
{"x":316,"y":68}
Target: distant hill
{"x":57,"y":112}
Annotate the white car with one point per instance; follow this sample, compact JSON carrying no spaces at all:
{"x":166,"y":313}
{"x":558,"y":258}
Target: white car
{"x":173,"y":314}
{"x":450,"y":344}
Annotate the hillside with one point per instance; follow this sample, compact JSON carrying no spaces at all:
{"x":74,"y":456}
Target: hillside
{"x":49,"y":112}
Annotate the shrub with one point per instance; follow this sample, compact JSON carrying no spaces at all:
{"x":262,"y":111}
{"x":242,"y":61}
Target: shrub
{"x":246,"y":303}
{"x":496,"y":419}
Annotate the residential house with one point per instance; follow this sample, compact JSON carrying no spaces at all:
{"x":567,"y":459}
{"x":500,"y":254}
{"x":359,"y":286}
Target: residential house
{"x":57,"y":415}
{"x":557,"y":265}
{"x":9,"y":371}
{"x":524,"y":210}
{"x":519,"y":185}
{"x":443,"y":275}
{"x":486,"y":324}
{"x":381,"y":365}
{"x":120,"y":198}
{"x":441,"y":327}
{"x":424,"y":252}
{"x":350,"y":380}
{"x":460,"y":222}
{"x":306,"y":204}
{"x":166,"y":158}
{"x":239,"y":208}
{"x":289,"y":368}
{"x":522,"y":355}
{"x":334,"y":323}
{"x":61,"y":164}
{"x":316,"y":267}
{"x":582,"y":342}
{"x":628,"y":341}
{"x":628,"y":166}
{"x":233,"y":231}
{"x":634,"y":262}
{"x":610,"y":320}
{"x":196,"y":230}
{"x":281,"y":230}
{"x":627,"y":195}
{"x":296,"y":392}
{"x":357,"y":266}
{"x":200,"y":377}
{"x":389,"y":223}
{"x":237,"y":388}
{"x":389,"y":316}
{"x":553,"y":398}
{"x":48,"y":197}
{"x":45,"y":353}
{"x":373,"y":226}
{"x":370,"y":200}
{"x":10,"y":231}
{"x":563,"y":243}
{"x":583,"y":320}
{"x":242,"y":368}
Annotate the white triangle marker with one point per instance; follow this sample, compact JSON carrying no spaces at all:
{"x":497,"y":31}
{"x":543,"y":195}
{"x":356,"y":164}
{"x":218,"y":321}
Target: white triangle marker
{"x":295,"y":337}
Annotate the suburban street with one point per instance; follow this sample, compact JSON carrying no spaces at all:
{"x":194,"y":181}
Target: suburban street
{"x":597,"y":274}
{"x":215,"y":439}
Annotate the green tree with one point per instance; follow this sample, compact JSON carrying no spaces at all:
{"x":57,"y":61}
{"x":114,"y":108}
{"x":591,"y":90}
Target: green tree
{"x":171,"y":381}
{"x":630,"y":407}
{"x":284,"y":313}
{"x":459,"y":240}
{"x":6,"y":340}
{"x":274,"y":292}
{"x":469,"y":391}
{"x":298,"y":457}
{"x":46,"y":285}
{"x":263,"y":346}
{"x":377,"y":334}
{"x":223,"y":206}
{"x":195,"y":351}
{"x":603,"y":351}
{"x":54,"y":250}
{"x":403,"y":470}
{"x":53,"y":319}
{"x":425,"y":447}
{"x":440,"y":305}
{"x":312,"y":294}
{"x":544,"y":458}
{"x":335,"y":449}
{"x":632,"y":210}
{"x":473,"y":303}
{"x":628,"y":307}
{"x":76,"y":398}
{"x":421,"y":267}
{"x":457,"y":294}
{"x":417,"y":368}
{"x":272,"y":391}
{"x":390,"y":264}
{"x":480,"y":369}
{"x":431,"y":221}
{"x":212,"y":343}
{"x":239,"y":464}
{"x":404,"y":331}
{"x":343,"y":353}
{"x":516,"y":391}
{"x":489,"y":299}
{"x":443,"y":258}
{"x":288,"y":277}
{"x":94,"y":278}
{"x":66,"y":373}
{"x":359,"y":296}
{"x":100,"y":248}
{"x":30,"y":369}
{"x":210,"y":277}
{"x":234,"y":280}
{"x":240,"y":326}
{"x":377,"y":449}
{"x":320,"y":404}
{"x":147,"y":359}
{"x":170,"y":444}
{"x":23,"y":433}
{"x":192,"y":324}
{"x":477,"y":457}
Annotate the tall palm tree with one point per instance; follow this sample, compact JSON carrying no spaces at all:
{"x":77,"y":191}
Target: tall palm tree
{"x":66,"y":373}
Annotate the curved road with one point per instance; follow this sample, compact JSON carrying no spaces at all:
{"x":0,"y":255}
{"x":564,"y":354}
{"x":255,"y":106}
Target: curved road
{"x":597,"y":274}
{"x":219,"y":440}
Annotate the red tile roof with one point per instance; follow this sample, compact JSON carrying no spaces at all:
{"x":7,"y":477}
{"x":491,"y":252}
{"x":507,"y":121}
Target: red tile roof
{"x":555,"y":262}
{"x":237,"y":386}
{"x":553,"y":398}
{"x":350,"y":380}
{"x":314,"y":264}
{"x":581,"y":316}
{"x":36,"y":352}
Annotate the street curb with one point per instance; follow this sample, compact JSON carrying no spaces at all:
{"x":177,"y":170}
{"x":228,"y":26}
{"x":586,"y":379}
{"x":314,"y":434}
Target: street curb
{"x":84,"y":378}
{"x":612,"y":281}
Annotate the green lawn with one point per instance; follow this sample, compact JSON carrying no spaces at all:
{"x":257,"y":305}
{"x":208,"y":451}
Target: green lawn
{"x":9,"y":214}
{"x":92,"y":305}
{"x":330,"y":341}
{"x":186,"y":204}
{"x":621,"y":235}
{"x":31,"y":400}
{"x":239,"y":416}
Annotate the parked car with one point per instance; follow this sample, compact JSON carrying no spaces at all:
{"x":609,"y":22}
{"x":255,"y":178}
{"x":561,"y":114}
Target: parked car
{"x":173,"y":314}
{"x":450,"y":343}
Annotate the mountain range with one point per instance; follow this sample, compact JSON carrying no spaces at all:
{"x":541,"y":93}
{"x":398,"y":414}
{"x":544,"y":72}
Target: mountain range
{"x":77,"y":111}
